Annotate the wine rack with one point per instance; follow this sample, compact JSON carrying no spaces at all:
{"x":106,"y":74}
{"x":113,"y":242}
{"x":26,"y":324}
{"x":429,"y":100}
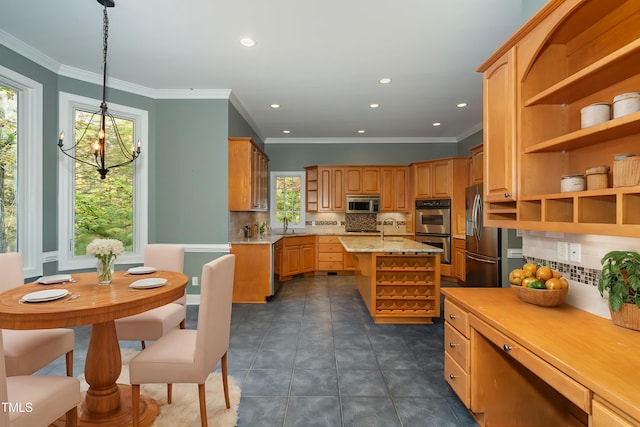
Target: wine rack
{"x":407,"y":286}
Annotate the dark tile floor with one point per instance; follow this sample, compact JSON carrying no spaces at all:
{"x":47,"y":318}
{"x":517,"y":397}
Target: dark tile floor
{"x":312,"y":356}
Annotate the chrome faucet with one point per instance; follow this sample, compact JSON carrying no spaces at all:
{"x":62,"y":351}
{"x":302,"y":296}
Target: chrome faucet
{"x":285,"y":225}
{"x":393,"y":221}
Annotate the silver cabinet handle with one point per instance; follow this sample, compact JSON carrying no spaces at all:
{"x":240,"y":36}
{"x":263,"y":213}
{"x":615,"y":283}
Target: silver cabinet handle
{"x":506,"y":347}
{"x":452,"y":316}
{"x":452,"y":344}
{"x":507,"y":194}
{"x":453,"y":377}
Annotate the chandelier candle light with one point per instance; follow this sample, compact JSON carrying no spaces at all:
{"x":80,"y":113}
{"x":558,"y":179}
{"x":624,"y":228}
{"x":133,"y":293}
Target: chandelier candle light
{"x":106,"y":251}
{"x":99,"y":152}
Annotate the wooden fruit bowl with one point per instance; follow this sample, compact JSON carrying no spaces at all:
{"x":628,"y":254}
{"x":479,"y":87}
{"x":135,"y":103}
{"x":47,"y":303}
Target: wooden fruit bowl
{"x":541,"y":297}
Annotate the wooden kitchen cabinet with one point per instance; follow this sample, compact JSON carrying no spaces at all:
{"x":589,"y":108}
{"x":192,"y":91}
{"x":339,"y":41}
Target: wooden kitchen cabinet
{"x":394,"y":194}
{"x":331,"y":196}
{"x":362,"y":180}
{"x":499,"y":130}
{"x":437,"y":179}
{"x":248,"y":176}
{"x":477,"y":164}
{"x":552,"y":370}
{"x":252,"y":281}
{"x":297,"y":256}
{"x":571,"y":54}
{"x":606,"y":415}
{"x":330,"y":254}
{"x":457,"y":351}
{"x":459,"y":259}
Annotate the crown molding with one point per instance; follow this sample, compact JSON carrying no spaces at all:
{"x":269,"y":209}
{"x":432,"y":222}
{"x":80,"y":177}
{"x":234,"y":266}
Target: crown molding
{"x":363,"y":140}
{"x":28,"y":52}
{"x":245,"y":115}
{"x":474,"y":129}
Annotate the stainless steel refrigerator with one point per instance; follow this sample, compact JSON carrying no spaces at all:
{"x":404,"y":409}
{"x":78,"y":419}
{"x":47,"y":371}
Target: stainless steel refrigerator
{"x":484,"y":244}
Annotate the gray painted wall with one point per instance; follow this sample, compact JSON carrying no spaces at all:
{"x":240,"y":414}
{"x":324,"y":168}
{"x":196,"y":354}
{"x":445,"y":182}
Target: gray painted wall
{"x":469,"y":142}
{"x":294,"y":157}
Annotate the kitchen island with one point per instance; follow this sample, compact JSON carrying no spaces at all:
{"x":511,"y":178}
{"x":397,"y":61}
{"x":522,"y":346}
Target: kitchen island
{"x":398,"y":278}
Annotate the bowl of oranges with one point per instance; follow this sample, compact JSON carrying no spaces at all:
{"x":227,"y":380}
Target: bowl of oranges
{"x":539,"y":285}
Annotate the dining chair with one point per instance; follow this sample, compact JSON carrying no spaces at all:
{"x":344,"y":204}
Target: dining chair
{"x":152,"y":324}
{"x":37,"y":400}
{"x":187,"y":355}
{"x":27,"y":351}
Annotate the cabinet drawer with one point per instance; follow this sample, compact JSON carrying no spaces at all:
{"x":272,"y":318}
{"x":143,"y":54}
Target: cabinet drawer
{"x":329,"y":239}
{"x":457,"y":317}
{"x":457,"y":346}
{"x":330,"y":257}
{"x":572,"y":390}
{"x":298,"y":241}
{"x":605,"y":416}
{"x":330,"y":265}
{"x":330,"y":247}
{"x":458,"y":379}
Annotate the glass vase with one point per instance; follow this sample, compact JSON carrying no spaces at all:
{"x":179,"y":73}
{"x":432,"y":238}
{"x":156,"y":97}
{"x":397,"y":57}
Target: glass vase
{"x":106,"y":268}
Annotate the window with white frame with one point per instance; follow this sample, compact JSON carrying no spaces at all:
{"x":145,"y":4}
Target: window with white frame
{"x":21,"y":169}
{"x":89,"y":207}
{"x":287,"y":199}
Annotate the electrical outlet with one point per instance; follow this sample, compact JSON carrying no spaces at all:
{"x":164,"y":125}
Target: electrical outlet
{"x":575,"y":252}
{"x":194,"y":281}
{"x":518,"y":233}
{"x":563,"y":251}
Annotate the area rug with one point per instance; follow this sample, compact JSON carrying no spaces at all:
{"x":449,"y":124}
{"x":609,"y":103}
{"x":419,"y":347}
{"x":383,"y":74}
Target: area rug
{"x":184,"y":409}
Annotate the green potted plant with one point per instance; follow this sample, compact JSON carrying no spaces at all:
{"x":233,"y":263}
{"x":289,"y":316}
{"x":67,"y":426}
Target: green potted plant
{"x":620,"y":278}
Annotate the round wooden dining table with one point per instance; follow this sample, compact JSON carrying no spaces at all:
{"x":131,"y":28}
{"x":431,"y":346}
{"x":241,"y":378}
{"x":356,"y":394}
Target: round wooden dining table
{"x":105,"y":403}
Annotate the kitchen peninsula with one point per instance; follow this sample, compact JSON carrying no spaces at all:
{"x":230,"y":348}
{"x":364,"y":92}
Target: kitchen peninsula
{"x":398,"y":278}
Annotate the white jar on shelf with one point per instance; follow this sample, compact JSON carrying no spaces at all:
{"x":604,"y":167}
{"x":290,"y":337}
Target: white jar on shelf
{"x":626,"y":103}
{"x":595,"y":114}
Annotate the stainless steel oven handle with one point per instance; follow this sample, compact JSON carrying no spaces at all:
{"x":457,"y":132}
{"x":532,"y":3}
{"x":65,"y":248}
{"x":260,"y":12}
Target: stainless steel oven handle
{"x":486,"y":261}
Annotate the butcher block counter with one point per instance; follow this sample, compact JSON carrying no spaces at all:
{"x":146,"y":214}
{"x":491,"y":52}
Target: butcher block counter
{"x":398,"y":278}
{"x":513,"y":363}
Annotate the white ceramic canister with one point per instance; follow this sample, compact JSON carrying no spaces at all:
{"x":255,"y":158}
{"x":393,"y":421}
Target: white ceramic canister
{"x":626,"y":103}
{"x":570,"y":183}
{"x":594,"y":114}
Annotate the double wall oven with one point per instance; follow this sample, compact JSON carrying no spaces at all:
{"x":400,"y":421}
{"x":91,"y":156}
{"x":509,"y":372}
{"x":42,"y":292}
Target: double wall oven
{"x":433,"y":225}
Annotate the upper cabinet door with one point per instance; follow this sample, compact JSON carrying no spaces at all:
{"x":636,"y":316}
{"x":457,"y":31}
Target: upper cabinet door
{"x":499,"y":130}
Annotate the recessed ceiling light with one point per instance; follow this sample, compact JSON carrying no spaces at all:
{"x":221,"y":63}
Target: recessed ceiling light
{"x":384,"y":80}
{"x":247,"y":42}
{"x":275,"y":105}
{"x":286,"y":131}
{"x":374,"y":105}
{"x":361,"y":131}
{"x":461,"y":105}
{"x":437,"y":124}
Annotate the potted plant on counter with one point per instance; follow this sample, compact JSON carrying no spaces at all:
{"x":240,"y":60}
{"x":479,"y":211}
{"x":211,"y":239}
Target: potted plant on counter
{"x":620,"y":278}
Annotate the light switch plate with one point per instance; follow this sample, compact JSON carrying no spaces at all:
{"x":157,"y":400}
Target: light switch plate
{"x":575,"y":252}
{"x":563,"y":251}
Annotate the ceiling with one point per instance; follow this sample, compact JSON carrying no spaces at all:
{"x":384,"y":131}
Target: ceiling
{"x":321,"y":61}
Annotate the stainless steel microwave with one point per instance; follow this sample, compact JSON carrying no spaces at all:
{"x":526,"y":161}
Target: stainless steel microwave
{"x":363,"y":204}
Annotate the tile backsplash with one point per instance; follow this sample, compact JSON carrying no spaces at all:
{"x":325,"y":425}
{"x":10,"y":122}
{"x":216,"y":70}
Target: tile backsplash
{"x":542,"y":248}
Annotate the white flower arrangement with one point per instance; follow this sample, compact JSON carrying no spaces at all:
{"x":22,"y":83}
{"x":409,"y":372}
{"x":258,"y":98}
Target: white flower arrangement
{"x":106,"y":251}
{"x":105,"y":248}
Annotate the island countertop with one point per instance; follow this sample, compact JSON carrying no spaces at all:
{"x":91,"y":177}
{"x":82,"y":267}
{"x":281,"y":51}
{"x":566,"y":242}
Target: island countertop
{"x":388,"y":245}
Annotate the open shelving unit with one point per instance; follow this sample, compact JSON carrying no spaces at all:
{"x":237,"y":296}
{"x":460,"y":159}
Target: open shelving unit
{"x":589,"y":54}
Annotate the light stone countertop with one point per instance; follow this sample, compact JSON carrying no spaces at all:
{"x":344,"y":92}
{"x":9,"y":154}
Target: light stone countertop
{"x":272,"y":238}
{"x":393,"y":244}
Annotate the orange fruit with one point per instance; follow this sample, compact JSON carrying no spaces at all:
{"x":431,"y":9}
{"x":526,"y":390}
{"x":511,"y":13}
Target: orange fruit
{"x":516,"y":276}
{"x":529,"y":268}
{"x":544,"y":273}
{"x":553,"y":283}
{"x":556,"y":274}
{"x":564,"y":282}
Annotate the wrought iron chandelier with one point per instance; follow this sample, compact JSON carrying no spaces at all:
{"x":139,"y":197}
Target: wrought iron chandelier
{"x":99,"y":147}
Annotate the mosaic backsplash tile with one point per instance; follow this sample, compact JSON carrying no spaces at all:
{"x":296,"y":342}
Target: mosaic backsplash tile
{"x":576,"y":273}
{"x":360,"y":221}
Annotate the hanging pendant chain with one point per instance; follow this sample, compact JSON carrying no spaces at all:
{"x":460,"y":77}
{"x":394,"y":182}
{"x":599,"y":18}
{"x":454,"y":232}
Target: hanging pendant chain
{"x":105,"y":33}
